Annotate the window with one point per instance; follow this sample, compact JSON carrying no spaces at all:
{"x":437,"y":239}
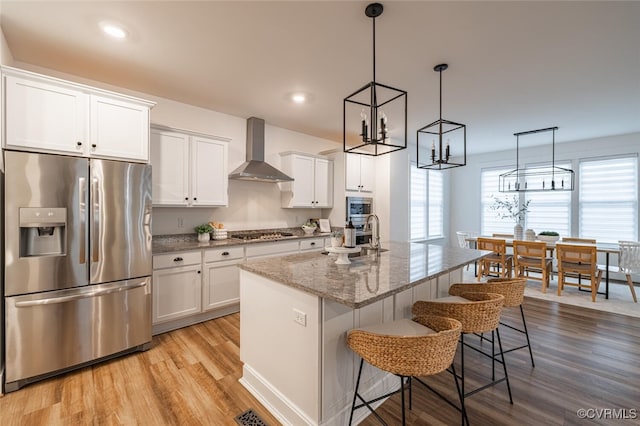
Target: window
{"x":491,"y":220}
{"x":436,"y":204}
{"x":608,"y":205}
{"x":427,"y":204}
{"x":550,"y":210}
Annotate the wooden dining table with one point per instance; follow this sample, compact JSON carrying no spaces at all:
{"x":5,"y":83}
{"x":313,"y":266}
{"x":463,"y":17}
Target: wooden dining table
{"x":606,"y":248}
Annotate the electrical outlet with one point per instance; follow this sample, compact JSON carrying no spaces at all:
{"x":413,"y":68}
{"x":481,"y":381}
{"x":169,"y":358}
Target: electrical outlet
{"x":300,"y":317}
{"x":180,"y":223}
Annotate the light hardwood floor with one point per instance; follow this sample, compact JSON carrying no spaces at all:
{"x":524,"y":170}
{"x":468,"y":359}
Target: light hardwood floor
{"x":584,"y":359}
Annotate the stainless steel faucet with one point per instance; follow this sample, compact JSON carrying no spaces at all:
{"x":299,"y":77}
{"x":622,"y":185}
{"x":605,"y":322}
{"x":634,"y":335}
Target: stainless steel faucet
{"x":374,"y":241}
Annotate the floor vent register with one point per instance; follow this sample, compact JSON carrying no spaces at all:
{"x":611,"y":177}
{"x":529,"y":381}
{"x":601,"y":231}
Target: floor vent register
{"x":250,"y":418}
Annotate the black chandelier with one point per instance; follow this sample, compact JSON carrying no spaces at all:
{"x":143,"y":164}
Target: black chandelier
{"x":541,"y":178}
{"x":442,"y":151}
{"x":375,"y":116}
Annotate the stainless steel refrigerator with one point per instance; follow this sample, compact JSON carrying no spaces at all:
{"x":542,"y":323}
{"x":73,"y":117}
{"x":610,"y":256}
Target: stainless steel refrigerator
{"x":78,"y":265}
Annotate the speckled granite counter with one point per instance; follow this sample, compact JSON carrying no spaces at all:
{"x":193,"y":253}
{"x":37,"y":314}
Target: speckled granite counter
{"x":368,"y":278}
{"x":185,"y":242}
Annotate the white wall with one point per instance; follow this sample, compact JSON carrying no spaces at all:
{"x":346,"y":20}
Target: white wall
{"x":464,"y":211}
{"x":6,"y":58}
{"x":252,"y":205}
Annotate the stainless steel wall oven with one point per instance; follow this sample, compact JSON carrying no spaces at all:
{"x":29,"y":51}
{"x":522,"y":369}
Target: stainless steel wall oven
{"x":358,"y":208}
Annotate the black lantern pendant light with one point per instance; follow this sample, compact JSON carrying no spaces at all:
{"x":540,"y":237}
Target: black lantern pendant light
{"x":375,"y":116}
{"x":442,"y":151}
{"x":539,"y":178}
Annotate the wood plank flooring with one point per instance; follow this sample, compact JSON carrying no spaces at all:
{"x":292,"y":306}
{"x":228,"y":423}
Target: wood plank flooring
{"x":584,"y":359}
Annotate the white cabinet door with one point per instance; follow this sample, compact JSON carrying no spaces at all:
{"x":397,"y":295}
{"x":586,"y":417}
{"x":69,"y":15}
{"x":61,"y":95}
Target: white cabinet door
{"x":367,"y":173}
{"x":208,"y":172}
{"x":323,"y":183}
{"x":44,"y":117}
{"x":359,"y":173}
{"x":176,"y":293}
{"x":119,"y":129}
{"x":303,"y":173}
{"x":221,"y":285}
{"x":352,"y":172}
{"x":170,"y":173}
{"x":313,"y":181}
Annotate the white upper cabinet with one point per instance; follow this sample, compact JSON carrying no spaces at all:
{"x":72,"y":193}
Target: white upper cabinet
{"x":51,"y":115}
{"x":359,"y":173}
{"x":44,"y":116}
{"x":170,"y":168}
{"x":209,"y":177}
{"x":188,"y":169}
{"x":313,"y":181}
{"x":118,"y":129}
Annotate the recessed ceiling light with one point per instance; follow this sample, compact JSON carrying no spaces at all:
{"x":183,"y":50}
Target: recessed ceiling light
{"x":113,"y":30}
{"x":298,"y":98}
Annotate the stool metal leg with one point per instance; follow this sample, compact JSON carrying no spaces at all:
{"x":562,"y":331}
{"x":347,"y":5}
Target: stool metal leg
{"x":526,"y":333}
{"x":404,"y":420}
{"x":504,"y":365}
{"x":355,"y":393}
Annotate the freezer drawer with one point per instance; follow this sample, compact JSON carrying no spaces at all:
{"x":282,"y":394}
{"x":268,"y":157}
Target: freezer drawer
{"x":52,"y":331}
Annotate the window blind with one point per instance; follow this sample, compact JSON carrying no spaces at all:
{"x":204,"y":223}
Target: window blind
{"x":608,"y":204}
{"x":426,"y":204}
{"x":549,"y":210}
{"x":418,"y":204}
{"x":490,"y":220}
{"x":436,"y":204}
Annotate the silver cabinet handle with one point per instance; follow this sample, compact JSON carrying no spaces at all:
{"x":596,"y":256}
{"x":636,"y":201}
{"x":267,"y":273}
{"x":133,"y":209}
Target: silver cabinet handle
{"x":63,"y":299}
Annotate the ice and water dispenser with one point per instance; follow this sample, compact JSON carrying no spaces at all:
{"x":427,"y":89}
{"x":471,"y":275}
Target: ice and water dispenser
{"x":42,"y":231}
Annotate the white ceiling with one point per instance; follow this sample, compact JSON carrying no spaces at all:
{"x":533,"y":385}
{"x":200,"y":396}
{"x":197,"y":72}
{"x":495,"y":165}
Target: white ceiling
{"x":513,"y":66}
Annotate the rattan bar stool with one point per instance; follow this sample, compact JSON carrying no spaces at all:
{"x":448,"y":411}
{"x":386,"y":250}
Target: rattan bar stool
{"x":513,"y":291}
{"x":478,"y":312}
{"x":407,"y":348}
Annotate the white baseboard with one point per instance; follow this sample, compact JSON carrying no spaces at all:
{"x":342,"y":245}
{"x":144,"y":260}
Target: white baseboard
{"x":288,"y":414}
{"x":278,"y":405}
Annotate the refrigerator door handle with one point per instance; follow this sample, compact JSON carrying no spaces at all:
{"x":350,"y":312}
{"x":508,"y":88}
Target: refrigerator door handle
{"x":82,"y":205}
{"x":63,"y":299}
{"x":95,"y":211}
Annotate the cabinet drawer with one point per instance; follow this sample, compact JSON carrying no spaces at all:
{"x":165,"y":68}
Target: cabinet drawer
{"x":223,"y":254}
{"x":272,"y":249}
{"x":170,"y":260}
{"x":312,"y":244}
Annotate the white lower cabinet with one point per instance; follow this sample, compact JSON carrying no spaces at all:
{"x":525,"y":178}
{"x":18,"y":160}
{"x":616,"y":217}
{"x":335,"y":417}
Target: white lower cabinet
{"x":177,"y":283}
{"x":221,"y":279}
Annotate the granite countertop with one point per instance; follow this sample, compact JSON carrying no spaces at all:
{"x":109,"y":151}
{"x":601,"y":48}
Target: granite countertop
{"x":368,"y":278}
{"x":185,"y":242}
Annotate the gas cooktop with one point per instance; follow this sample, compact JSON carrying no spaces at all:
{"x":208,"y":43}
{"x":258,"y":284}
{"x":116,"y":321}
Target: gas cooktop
{"x":247,"y":236}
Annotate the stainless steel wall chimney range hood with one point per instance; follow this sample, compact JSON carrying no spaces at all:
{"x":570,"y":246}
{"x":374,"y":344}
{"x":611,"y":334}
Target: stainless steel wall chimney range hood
{"x":255,"y":168}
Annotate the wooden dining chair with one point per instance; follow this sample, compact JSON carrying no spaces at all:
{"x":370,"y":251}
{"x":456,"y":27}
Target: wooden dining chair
{"x":499,"y":258}
{"x":581,"y":261}
{"x":531,"y":256}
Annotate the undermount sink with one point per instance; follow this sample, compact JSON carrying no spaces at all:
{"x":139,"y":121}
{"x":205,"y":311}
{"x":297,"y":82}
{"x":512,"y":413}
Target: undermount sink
{"x":364,"y":251}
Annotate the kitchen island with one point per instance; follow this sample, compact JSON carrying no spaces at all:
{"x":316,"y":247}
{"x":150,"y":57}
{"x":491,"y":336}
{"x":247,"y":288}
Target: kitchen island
{"x":295,"y":311}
